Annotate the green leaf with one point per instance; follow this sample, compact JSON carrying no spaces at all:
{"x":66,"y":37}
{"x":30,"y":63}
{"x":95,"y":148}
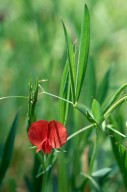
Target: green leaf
{"x":71,"y":61}
{"x":33,"y":96}
{"x":83,"y":51}
{"x":109,"y":101}
{"x":96,"y":110}
{"x":102,"y":172}
{"x":8,"y":149}
{"x":37,"y":182}
{"x":63,"y":184}
{"x":104,"y":86}
{"x":64,"y":93}
{"x":120,"y":153}
{"x":95,"y":184}
{"x":89,"y":85}
{"x":28,"y":183}
{"x":85,"y":111}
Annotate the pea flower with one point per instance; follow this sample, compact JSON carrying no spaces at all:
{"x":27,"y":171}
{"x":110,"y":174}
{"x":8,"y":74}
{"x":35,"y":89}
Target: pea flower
{"x":47,"y":135}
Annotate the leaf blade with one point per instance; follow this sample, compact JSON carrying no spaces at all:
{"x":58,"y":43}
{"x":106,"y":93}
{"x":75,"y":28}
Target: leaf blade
{"x":104,"y":86}
{"x":64,"y":93}
{"x":96,"y":110}
{"x":121,"y":156}
{"x":71,"y":61}
{"x":8,"y":149}
{"x":83,"y":51}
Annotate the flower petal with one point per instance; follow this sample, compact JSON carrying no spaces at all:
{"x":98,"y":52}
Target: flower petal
{"x":57,"y":134}
{"x":46,"y":147}
{"x":37,"y":133}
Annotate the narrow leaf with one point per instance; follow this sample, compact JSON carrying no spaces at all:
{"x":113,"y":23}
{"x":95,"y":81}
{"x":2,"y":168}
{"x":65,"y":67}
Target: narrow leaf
{"x":64,"y":93}
{"x":37,"y":182}
{"x":8,"y":149}
{"x":33,"y":96}
{"x":71,"y":61}
{"x":96,"y":110}
{"x":95,"y":184}
{"x":114,"y":98}
{"x":28,"y":184}
{"x":85,"y":111}
{"x":102,"y":172}
{"x":63,"y":184}
{"x":89,"y":85}
{"x":121,"y":157}
{"x":104,"y":86}
{"x":83,"y":51}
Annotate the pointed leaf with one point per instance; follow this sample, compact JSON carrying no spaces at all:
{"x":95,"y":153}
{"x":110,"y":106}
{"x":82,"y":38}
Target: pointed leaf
{"x":102,"y":172}
{"x":8,"y":149}
{"x":33,"y":95}
{"x":71,"y":61}
{"x":64,"y":93}
{"x":96,"y":110}
{"x":83,"y":51}
{"x":121,"y":157}
{"x":37,"y":182}
{"x":104,"y":86}
{"x":95,"y":184}
{"x":89,"y":85}
{"x":114,"y":98}
{"x":85,"y":111}
{"x":28,"y":184}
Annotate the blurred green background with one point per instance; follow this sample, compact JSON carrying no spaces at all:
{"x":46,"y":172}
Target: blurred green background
{"x":32,"y":45}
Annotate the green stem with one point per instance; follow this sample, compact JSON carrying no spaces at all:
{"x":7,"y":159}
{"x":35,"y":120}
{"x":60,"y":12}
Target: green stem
{"x":95,"y":147}
{"x":114,"y":106}
{"x":44,"y":92}
{"x":11,"y":97}
{"x":94,"y":153}
{"x":116,"y":131}
{"x":81,"y":130}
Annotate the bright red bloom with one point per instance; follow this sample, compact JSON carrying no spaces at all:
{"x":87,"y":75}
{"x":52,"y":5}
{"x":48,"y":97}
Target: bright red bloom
{"x":47,"y":135}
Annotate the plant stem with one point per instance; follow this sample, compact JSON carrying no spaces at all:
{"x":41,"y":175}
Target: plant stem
{"x":94,"y":153}
{"x":11,"y":97}
{"x":44,"y":92}
{"x":115,"y":131}
{"x":81,"y":130}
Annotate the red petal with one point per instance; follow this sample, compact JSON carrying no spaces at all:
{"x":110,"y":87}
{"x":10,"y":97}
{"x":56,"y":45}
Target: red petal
{"x":46,"y":147}
{"x":37,"y":133}
{"x":58,"y":134}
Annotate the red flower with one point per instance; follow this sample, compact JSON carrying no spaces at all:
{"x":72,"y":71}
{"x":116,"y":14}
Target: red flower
{"x":47,"y":135}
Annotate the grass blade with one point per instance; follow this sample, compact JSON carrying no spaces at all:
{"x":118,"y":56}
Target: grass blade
{"x":8,"y":149}
{"x":33,"y":96}
{"x":64,"y":93}
{"x":104,"y":86}
{"x":96,"y":110}
{"x":101,"y":172}
{"x":83,"y":51}
{"x":121,"y":157}
{"x":71,"y":61}
{"x":95,"y":184}
{"x":37,"y":182}
{"x":86,"y":111}
{"x":114,"y":97}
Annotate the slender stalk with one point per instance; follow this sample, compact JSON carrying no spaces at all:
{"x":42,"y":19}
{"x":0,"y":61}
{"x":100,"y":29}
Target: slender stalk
{"x":11,"y":97}
{"x":95,"y":147}
{"x":116,"y":131}
{"x":44,"y":92}
{"x":81,"y":130}
{"x":115,"y":105}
